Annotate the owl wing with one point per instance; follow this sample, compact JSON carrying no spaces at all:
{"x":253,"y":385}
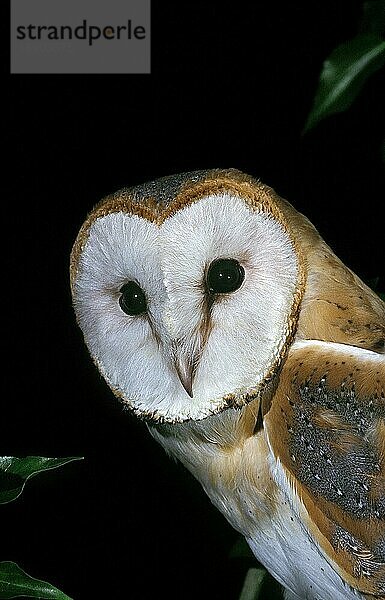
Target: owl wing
{"x":326,"y":428}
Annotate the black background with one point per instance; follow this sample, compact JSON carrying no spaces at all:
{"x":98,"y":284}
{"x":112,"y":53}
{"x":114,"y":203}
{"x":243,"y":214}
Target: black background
{"x":231,"y":86}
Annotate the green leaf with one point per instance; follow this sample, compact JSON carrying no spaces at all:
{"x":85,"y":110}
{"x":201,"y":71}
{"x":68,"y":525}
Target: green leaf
{"x":343,"y":75}
{"x":14,"y":472}
{"x":14,"y":582}
{"x":252,"y":584}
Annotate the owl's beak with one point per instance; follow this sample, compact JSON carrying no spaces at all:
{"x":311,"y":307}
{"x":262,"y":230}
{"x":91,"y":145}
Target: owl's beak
{"x":185,"y":370}
{"x":184,"y":366}
{"x":186,"y":353}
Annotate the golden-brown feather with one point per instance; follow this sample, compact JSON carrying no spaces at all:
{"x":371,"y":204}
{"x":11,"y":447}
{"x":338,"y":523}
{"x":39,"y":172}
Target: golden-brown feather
{"x":326,"y":425}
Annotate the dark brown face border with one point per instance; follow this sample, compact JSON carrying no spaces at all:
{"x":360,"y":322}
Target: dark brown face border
{"x":189,"y":188}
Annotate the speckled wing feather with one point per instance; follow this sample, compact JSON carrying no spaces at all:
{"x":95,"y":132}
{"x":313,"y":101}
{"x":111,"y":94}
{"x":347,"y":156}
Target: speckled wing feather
{"x":326,"y":425}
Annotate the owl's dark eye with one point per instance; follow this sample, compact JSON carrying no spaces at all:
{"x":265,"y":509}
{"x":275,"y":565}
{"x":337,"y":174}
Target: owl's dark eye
{"x":225,"y":275}
{"x":132,"y":300}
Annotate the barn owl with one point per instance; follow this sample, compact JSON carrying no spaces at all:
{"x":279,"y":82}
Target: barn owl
{"x":216,"y":313}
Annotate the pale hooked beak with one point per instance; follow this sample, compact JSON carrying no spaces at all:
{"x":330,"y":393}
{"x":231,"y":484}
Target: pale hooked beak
{"x":185,"y":369}
{"x":185,"y":358}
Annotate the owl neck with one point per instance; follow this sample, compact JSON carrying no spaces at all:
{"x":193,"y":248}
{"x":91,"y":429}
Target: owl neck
{"x":223,"y":452}
{"x":198,"y":443}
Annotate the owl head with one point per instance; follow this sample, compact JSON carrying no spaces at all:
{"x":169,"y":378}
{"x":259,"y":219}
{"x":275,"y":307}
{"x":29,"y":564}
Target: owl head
{"x":187,"y":290}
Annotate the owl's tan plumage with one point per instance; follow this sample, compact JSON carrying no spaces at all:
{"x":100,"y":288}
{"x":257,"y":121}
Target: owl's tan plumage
{"x":294,"y":456}
{"x":326,"y":426}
